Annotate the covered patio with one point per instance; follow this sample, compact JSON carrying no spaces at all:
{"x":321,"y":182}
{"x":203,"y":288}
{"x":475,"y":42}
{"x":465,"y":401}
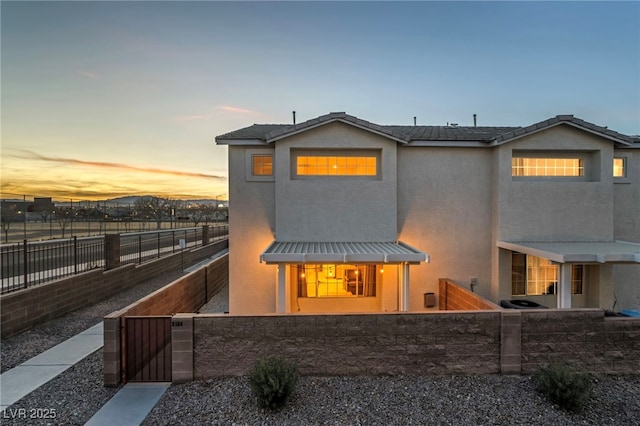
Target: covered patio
{"x":395,"y":253}
{"x":567,"y":253}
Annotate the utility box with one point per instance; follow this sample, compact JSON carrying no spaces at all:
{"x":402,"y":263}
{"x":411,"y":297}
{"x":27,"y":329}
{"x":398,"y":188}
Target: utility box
{"x":429,"y":300}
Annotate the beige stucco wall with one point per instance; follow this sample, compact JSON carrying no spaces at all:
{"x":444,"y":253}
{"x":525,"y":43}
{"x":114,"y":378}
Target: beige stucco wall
{"x":443,"y":209}
{"x":554,"y":210}
{"x":626,"y":278}
{"x":326,"y":208}
{"x":453,"y":203}
{"x":251,"y":230}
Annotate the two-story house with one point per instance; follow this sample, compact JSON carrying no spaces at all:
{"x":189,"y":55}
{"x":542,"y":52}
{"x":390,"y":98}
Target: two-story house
{"x":338,"y":214}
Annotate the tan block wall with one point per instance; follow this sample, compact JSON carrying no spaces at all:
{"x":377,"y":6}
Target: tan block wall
{"x":508,"y":341}
{"x":185,"y":295}
{"x":456,"y":298}
{"x":23,"y":309}
{"x":582,"y":337}
{"x":358,"y":344}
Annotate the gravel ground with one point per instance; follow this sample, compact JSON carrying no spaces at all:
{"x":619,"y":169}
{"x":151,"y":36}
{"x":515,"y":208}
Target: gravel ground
{"x":78,"y":393}
{"x":458,"y":400}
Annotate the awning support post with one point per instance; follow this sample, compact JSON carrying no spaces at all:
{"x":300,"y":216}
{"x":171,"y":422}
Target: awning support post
{"x":403,"y":288}
{"x":281,"y":293}
{"x":564,"y":286}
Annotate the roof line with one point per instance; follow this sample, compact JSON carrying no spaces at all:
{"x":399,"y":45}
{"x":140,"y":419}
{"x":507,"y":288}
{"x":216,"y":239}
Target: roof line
{"x":331,"y":118}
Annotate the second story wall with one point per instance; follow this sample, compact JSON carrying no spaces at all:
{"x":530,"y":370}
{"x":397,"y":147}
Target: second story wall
{"x":336,"y":208}
{"x":556,"y":208}
{"x":627,"y":197}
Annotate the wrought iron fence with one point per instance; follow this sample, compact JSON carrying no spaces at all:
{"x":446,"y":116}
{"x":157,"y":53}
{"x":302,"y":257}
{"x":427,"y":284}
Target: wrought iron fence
{"x":142,"y":246}
{"x":26,"y":264}
{"x":30,"y":263}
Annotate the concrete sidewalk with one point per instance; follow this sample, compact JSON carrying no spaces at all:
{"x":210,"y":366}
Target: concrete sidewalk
{"x":30,"y":375}
{"x":129,"y":406}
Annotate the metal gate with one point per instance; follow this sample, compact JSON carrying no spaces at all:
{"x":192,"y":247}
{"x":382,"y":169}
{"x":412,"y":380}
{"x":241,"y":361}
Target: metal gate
{"x":148,"y":349}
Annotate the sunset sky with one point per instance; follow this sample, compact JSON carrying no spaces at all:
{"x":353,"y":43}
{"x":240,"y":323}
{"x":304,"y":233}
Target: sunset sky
{"x":108,"y":99}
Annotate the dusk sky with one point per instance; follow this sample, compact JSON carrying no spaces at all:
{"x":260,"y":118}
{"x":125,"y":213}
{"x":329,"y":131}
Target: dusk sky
{"x":107,"y":99}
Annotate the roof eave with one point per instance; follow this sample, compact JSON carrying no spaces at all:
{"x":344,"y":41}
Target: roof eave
{"x":240,"y":142}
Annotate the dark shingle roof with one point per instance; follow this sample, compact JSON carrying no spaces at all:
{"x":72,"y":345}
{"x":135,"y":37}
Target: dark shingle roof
{"x":568,"y":119}
{"x":405,"y":134}
{"x":257,"y":131}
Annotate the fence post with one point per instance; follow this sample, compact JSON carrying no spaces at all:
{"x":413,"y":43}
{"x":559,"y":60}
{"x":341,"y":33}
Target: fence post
{"x":139,"y":249}
{"x":205,"y":235}
{"x":75,"y":254}
{"x":111,"y":251}
{"x":25,"y":263}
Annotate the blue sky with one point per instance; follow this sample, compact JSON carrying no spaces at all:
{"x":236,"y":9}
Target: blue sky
{"x":119,"y":98}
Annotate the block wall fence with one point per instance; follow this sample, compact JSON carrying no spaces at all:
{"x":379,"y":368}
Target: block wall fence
{"x":23,"y":309}
{"x":186,"y":294}
{"x":485,"y":341}
{"x":429,"y":343}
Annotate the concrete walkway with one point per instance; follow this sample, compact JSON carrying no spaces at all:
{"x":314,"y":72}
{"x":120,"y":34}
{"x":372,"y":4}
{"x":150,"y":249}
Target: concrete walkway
{"x":130,"y":405}
{"x":30,"y":375}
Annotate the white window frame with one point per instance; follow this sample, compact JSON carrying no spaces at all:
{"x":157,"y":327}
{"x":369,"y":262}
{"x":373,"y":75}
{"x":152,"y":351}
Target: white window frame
{"x":586,"y":158}
{"x":552,"y":284}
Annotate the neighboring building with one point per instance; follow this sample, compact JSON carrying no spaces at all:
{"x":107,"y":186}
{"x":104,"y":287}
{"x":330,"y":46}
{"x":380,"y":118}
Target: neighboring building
{"x":337,"y":214}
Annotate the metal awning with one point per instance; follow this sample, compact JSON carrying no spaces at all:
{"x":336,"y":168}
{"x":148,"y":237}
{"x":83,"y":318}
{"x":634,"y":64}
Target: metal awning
{"x":579,"y":252}
{"x":341,"y":252}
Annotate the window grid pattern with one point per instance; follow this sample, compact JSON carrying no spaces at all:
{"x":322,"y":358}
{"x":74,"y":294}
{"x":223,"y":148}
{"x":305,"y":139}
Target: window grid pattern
{"x":618,"y":167}
{"x":262,"y":165}
{"x":317,"y":165}
{"x":334,"y":280}
{"x":535,"y":276}
{"x":547,"y":166}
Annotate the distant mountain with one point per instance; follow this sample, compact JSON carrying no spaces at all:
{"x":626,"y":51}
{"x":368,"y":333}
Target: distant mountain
{"x":125,"y":200}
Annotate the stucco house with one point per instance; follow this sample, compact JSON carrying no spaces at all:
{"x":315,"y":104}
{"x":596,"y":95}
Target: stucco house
{"x":338,"y":214}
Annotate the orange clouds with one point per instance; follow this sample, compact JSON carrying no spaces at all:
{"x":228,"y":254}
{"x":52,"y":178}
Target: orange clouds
{"x":100,"y":164}
{"x":36,"y":174}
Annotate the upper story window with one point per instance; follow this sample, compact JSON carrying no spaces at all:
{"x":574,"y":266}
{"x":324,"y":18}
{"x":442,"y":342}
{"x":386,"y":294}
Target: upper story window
{"x":524,"y":166}
{"x":619,"y":169}
{"x":262,"y":165}
{"x":556,"y":165}
{"x":259,"y":165}
{"x":338,"y":163}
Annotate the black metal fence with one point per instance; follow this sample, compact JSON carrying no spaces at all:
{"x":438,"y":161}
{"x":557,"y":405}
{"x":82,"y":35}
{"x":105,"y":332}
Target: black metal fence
{"x":30,"y":263}
{"x":143,"y":246}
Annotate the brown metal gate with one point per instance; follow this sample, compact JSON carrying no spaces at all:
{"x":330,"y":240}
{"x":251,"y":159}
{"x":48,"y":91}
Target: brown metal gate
{"x":148,"y":349}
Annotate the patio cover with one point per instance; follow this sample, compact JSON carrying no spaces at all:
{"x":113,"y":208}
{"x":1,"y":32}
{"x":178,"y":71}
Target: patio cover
{"x":579,"y":252}
{"x":341,"y":252}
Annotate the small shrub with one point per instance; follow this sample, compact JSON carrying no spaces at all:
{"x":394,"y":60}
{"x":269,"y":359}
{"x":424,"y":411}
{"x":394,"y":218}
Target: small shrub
{"x":273,"y":380}
{"x":564,"y":386}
